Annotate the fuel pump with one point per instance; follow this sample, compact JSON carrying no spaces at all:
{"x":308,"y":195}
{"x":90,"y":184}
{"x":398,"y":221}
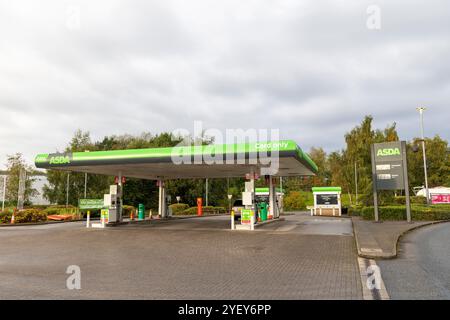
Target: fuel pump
{"x":113,"y":204}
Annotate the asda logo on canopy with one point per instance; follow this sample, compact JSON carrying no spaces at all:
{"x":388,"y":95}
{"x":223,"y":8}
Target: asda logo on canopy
{"x":388,"y":152}
{"x":59,"y":160}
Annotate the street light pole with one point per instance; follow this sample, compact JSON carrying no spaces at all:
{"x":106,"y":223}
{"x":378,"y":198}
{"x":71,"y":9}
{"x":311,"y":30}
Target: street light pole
{"x":67,"y":189}
{"x":421,"y":110}
{"x":4,"y":193}
{"x":206,"y":187}
{"x":356,"y":184}
{"x":85,"y":185}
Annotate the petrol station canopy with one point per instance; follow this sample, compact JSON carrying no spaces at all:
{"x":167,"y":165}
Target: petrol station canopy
{"x":183,"y":162}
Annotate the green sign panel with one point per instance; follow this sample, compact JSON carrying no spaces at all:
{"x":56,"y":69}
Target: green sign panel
{"x":246,"y":216}
{"x":86,"y":204}
{"x":388,"y":166}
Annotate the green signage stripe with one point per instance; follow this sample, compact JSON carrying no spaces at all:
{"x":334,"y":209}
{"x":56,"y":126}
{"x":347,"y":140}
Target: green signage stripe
{"x":325,"y":189}
{"x":285,"y":145}
{"x":307,"y":161}
{"x":135,"y":155}
{"x":266,"y":190}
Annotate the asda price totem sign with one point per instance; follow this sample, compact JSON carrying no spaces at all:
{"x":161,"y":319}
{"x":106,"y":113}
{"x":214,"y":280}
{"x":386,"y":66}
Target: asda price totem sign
{"x":390,"y":171}
{"x":388,"y":165}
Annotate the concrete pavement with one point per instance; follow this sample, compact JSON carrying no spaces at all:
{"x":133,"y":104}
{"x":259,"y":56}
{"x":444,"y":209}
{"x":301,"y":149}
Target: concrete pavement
{"x":299,"y":258}
{"x":378,"y":240}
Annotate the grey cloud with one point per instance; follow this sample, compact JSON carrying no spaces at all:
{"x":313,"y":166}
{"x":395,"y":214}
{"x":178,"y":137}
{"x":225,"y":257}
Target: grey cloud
{"x":311,"y":69}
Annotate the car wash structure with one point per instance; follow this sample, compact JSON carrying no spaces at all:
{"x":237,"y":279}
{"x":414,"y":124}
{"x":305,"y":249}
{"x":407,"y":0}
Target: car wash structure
{"x":327,"y":201}
{"x":252,"y":160}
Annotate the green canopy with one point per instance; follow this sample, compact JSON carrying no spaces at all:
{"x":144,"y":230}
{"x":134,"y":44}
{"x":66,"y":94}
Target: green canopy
{"x":206,"y":161}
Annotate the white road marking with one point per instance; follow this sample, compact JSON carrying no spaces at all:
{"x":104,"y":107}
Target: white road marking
{"x":371,"y":294}
{"x":370,"y":250}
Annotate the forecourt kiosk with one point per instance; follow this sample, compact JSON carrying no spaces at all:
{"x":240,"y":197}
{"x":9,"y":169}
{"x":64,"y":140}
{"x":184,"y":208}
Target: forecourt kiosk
{"x":252,"y":160}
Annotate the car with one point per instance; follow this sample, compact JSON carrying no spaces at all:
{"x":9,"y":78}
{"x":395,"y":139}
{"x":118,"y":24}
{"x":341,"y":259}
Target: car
{"x":237,"y":207}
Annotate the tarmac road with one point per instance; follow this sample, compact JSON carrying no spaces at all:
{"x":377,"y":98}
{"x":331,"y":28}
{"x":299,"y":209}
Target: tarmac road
{"x":422,"y":269}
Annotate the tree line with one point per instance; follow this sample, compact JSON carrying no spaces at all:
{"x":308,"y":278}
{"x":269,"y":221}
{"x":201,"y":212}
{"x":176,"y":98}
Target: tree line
{"x":349,"y":168}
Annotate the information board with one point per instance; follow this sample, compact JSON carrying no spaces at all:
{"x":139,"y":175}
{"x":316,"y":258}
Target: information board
{"x":389,"y":166}
{"x":86,"y":204}
{"x":327,"y":199}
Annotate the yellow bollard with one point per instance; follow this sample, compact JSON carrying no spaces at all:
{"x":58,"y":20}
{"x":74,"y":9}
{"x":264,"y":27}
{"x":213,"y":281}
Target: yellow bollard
{"x":88,"y":219}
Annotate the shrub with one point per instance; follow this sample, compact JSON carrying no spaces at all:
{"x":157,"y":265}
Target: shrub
{"x":206,"y":210}
{"x":178,"y":207}
{"x":30,"y":215}
{"x":5,"y":216}
{"x":187,"y":212}
{"x":418,"y":212}
{"x":294,"y":201}
{"x":57,"y":210}
{"x":214,"y":210}
{"x":413,"y":200}
{"x":353,"y":211}
{"x":126,"y":210}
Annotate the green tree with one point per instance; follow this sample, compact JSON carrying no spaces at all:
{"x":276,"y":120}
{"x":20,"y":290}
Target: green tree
{"x":357,"y":153}
{"x":438,"y":162}
{"x":15,"y":164}
{"x":135,"y":191}
{"x":55,"y":191}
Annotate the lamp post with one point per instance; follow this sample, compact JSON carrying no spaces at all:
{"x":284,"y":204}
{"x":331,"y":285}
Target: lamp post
{"x":85,"y":185}
{"x":421,"y":110}
{"x":4,"y":193}
{"x":85,"y":180}
{"x":356,"y":184}
{"x":67,"y":189}
{"x":229,"y":201}
{"x":206,"y":192}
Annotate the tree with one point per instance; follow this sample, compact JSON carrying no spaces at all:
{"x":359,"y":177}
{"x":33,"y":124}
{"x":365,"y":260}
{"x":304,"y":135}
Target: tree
{"x":15,"y":165}
{"x":438,"y":162}
{"x":357,"y":154}
{"x":135,"y":191}
{"x":55,"y":190}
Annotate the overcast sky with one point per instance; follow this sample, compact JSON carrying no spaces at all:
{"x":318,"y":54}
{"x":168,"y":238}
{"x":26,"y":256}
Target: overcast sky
{"x":312,"y":69}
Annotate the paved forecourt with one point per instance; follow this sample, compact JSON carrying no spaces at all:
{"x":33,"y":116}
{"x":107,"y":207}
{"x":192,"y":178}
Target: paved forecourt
{"x":299,"y":258}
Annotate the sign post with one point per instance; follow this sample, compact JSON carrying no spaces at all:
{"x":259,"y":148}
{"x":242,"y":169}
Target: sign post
{"x":22,"y":188}
{"x":390,"y":171}
{"x":405,"y":177}
{"x":374,"y":184}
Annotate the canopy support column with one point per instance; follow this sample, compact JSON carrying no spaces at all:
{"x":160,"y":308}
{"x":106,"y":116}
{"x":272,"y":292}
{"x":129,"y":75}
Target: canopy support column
{"x":274,"y":212}
{"x":162,"y":199}
{"x":120,"y":211}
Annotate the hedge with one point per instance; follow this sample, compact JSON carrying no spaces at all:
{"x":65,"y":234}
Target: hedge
{"x":418,"y":212}
{"x":24,"y":216}
{"x":413,"y":200}
{"x":52,"y":210}
{"x":294,"y":201}
{"x":5,"y":216}
{"x":206,"y":210}
{"x":178,"y":207}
